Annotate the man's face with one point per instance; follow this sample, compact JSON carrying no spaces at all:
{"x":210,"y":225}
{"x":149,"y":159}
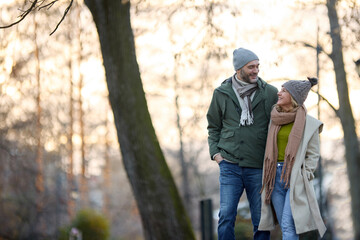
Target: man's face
{"x":249,"y":72}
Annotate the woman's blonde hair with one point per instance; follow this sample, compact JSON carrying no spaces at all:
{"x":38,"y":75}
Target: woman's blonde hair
{"x":293,"y":102}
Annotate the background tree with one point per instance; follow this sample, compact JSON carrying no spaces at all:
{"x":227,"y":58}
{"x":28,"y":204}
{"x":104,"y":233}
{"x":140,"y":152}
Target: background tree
{"x":344,"y":112}
{"x":84,"y":161}
{"x":156,"y":195}
{"x":39,"y":154}
{"x":70,"y":145}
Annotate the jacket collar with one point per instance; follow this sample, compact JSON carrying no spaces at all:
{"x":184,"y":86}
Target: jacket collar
{"x":226,"y":87}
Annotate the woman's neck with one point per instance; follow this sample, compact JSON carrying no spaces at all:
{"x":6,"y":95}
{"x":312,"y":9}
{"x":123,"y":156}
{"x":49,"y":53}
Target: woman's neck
{"x":285,"y":108}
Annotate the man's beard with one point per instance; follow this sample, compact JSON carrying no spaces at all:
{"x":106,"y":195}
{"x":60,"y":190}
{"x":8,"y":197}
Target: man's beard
{"x":246,"y":77}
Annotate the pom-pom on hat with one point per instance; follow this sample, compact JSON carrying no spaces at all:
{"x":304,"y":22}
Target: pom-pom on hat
{"x":299,"y":89}
{"x":242,"y":56}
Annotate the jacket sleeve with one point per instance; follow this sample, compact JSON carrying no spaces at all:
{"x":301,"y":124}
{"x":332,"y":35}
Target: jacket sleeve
{"x":273,"y":97}
{"x":214,"y":118}
{"x":312,"y":155}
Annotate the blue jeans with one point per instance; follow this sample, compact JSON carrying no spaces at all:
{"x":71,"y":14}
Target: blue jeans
{"x":280,"y":199}
{"x":233,"y":181}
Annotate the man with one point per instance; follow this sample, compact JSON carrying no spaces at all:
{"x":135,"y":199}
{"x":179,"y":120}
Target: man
{"x":238,"y":119}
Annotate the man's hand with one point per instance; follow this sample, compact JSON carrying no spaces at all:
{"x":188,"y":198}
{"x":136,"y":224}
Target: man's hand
{"x":218,"y":158}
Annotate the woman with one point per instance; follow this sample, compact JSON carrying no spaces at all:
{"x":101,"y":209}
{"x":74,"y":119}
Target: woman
{"x":291,"y":155}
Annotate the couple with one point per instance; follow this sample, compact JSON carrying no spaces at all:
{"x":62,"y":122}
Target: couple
{"x":273,"y":162}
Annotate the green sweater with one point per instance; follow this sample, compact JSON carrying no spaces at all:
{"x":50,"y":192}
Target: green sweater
{"x":244,"y":145}
{"x":282,"y":140}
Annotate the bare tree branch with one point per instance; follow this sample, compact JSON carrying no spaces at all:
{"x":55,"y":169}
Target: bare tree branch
{"x":40,"y":7}
{"x":63,"y":17}
{"x":305,"y":44}
{"x":327,"y":101}
{"x":48,"y":6}
{"x":23,"y":15}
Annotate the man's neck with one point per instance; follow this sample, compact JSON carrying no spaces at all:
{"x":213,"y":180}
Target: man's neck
{"x":240,"y":81}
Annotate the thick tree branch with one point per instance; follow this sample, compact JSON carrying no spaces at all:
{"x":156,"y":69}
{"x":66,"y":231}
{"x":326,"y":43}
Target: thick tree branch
{"x":308,"y":45}
{"x":327,"y":101}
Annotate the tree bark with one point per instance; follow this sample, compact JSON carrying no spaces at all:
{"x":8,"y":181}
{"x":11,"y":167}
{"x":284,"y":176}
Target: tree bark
{"x":345,"y":114}
{"x":162,"y":212}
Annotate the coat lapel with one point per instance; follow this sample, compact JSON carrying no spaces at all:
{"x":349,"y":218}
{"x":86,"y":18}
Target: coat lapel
{"x":227,"y":89}
{"x":259,"y":94}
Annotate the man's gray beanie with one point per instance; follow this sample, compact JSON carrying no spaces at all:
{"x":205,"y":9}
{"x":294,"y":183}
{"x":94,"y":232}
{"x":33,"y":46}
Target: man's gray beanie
{"x":242,"y":56}
{"x":299,"y":89}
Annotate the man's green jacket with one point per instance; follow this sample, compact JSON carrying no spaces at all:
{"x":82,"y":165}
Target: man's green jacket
{"x":244,"y":145}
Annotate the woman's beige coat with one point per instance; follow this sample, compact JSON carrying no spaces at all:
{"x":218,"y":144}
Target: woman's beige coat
{"x":303,"y":201}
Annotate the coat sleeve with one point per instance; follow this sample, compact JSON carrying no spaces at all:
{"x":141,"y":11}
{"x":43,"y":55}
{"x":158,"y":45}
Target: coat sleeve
{"x":274,"y":97}
{"x":214,"y":118}
{"x":312,"y":155}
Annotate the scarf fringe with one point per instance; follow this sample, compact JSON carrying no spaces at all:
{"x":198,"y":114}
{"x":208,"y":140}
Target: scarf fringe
{"x":286,"y":171}
{"x":246,"y":118}
{"x":269,"y":178}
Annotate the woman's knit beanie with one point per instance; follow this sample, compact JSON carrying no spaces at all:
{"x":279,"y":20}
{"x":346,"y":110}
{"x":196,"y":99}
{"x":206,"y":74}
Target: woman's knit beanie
{"x":299,"y":89}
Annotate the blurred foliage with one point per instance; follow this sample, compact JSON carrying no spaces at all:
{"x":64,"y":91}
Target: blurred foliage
{"x":92,"y":225}
{"x":64,"y":233}
{"x":243,"y":229}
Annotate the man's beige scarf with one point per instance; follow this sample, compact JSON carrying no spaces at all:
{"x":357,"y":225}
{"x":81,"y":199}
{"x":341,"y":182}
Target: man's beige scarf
{"x":271,"y":152}
{"x":245,"y":92}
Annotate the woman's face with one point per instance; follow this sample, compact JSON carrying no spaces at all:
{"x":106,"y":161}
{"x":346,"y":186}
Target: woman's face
{"x":284,"y":100}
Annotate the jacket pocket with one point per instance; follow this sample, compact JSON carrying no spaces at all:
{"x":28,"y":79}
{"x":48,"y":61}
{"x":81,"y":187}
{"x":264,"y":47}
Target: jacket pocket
{"x":227,"y":134}
{"x":227,"y":141}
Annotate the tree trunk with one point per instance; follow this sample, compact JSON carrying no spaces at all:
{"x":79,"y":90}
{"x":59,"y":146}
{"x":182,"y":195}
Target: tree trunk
{"x":39,"y":182}
{"x":159,"y":203}
{"x":345,"y":114}
{"x":184,"y":166}
{"x":84,"y":194}
{"x":70,"y":175}
{"x":106,"y":169}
